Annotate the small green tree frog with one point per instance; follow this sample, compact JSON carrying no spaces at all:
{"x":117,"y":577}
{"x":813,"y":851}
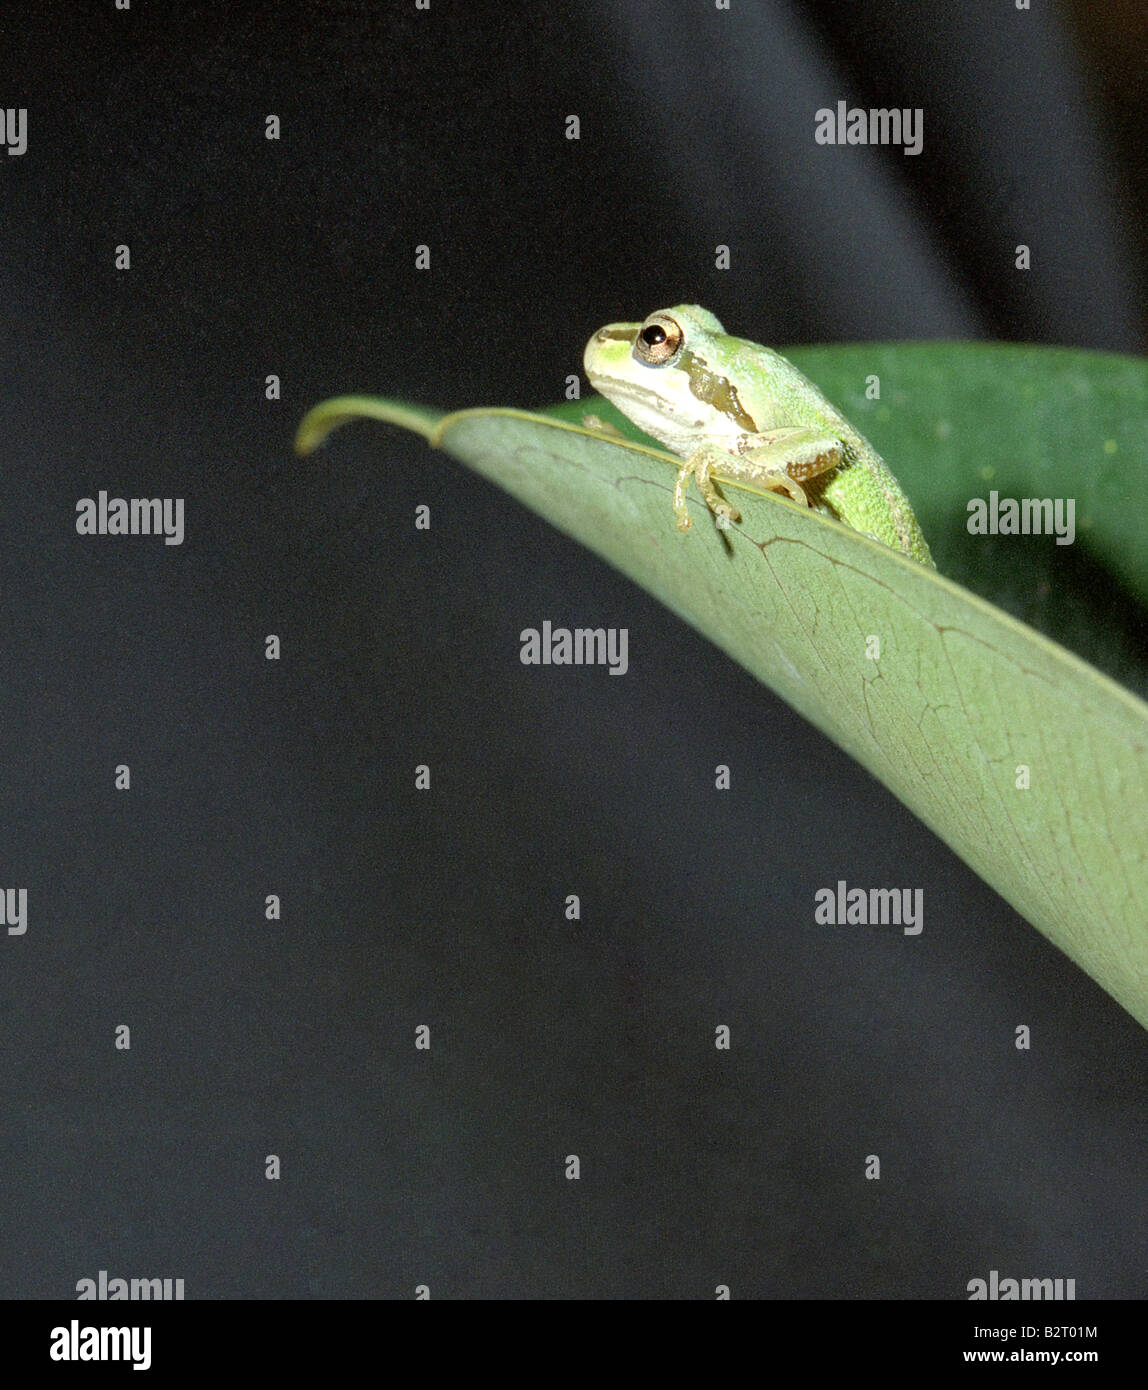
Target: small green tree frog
{"x":738,"y":411}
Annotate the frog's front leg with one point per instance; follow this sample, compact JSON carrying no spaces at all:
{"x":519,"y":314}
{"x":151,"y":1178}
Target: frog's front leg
{"x":700,"y":465}
{"x":777,"y":460}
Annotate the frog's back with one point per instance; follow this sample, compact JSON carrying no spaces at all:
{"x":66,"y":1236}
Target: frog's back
{"x":863,"y":492}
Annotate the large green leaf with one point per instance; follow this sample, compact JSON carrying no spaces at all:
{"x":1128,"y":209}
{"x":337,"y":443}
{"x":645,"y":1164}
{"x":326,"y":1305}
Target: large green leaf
{"x":964,"y":703}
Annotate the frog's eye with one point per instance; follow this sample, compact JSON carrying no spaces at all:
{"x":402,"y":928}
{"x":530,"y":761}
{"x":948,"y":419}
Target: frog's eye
{"x":659,"y":340}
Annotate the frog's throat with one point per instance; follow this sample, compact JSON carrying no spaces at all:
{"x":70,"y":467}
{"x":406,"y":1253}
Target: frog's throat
{"x":712,"y":389}
{"x":633,"y":393}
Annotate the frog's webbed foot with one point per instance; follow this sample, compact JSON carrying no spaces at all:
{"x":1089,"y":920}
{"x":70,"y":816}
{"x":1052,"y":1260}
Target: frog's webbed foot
{"x":778,"y":480}
{"x":600,"y":426}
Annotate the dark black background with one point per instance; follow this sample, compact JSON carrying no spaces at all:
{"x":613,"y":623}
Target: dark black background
{"x":296,"y":258}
